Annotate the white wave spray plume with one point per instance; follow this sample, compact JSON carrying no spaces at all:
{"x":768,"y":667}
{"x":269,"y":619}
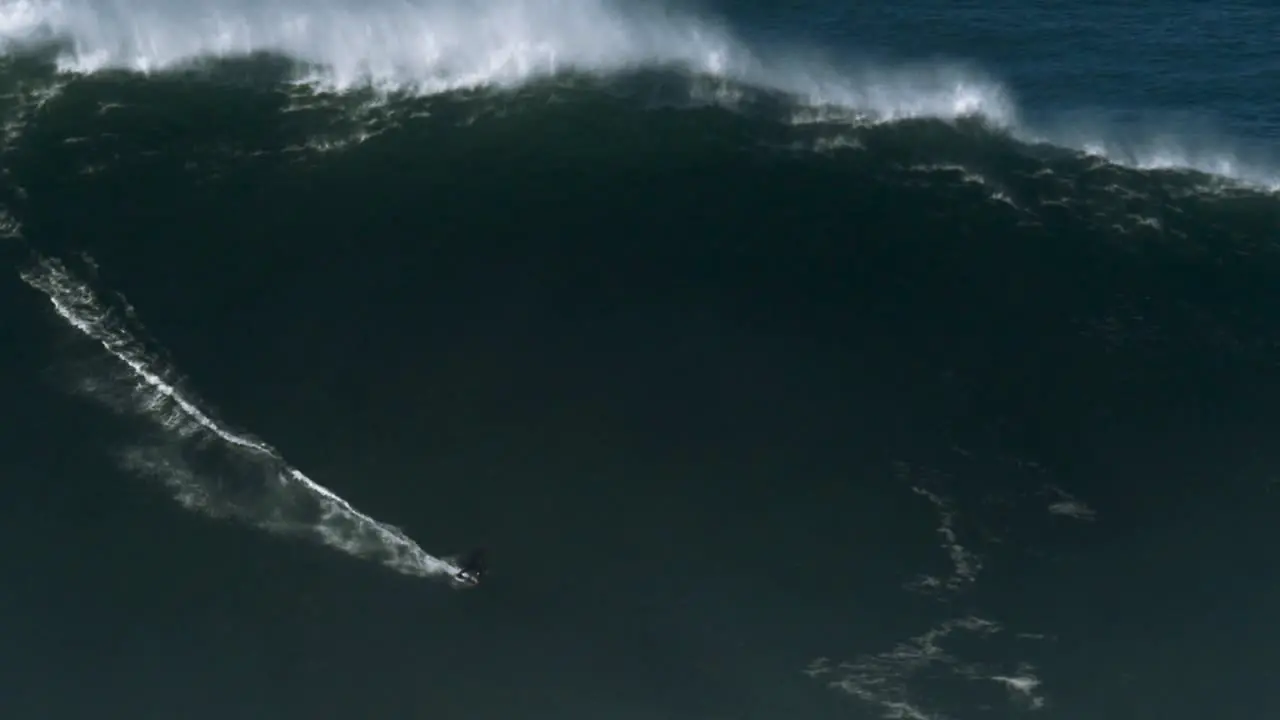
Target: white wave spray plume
{"x":208,"y":467}
{"x":432,"y":46}
{"x":435,"y":46}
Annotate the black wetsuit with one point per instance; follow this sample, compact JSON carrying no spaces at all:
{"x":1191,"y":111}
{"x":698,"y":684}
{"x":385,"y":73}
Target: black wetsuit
{"x":472,"y":568}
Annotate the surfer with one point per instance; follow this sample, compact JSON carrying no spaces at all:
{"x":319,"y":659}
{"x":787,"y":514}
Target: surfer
{"x":471,"y":569}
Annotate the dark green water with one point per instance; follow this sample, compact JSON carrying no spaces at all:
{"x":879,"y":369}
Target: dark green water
{"x":686,"y":376}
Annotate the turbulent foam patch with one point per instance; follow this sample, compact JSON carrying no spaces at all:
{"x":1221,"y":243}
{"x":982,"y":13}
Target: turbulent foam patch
{"x":959,"y":660}
{"x":207,"y":466}
{"x":890,"y":680}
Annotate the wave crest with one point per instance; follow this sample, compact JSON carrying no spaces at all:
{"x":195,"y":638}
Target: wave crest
{"x":433,"y":46}
{"x":429,"y":47}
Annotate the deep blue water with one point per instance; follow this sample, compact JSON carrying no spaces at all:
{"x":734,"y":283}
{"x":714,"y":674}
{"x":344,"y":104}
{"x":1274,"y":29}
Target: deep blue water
{"x":1176,"y":67}
{"x":791,"y":361}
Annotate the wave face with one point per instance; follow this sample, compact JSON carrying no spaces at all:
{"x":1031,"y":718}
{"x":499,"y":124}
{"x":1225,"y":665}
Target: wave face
{"x":349,"y":180}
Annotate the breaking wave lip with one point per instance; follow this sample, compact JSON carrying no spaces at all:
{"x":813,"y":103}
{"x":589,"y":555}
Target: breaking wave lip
{"x":428,"y":47}
{"x":434,"y":46}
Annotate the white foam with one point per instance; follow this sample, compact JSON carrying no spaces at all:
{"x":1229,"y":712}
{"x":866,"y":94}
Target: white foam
{"x":1173,"y":143}
{"x":430,"y":46}
{"x":208,"y":467}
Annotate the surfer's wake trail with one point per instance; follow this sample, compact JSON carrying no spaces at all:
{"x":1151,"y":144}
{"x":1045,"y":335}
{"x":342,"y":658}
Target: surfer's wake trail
{"x":208,"y":467}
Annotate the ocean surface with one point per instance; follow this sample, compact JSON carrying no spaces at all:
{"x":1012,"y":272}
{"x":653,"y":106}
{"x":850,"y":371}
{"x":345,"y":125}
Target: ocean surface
{"x":801,"y":361}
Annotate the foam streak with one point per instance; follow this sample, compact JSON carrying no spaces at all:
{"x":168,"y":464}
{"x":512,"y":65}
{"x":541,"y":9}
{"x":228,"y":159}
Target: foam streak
{"x":207,"y":466}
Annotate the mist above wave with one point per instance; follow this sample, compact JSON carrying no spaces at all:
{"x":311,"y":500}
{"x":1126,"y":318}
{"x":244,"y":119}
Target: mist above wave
{"x":426,"y":47}
{"x":431,"y":46}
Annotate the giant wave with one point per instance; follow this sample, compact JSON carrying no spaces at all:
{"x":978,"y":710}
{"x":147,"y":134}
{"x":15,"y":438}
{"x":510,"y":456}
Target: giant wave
{"x":901,"y":191}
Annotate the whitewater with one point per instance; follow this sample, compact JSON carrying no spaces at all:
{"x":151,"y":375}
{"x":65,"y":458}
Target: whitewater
{"x":428,"y":47}
{"x":208,"y":467}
